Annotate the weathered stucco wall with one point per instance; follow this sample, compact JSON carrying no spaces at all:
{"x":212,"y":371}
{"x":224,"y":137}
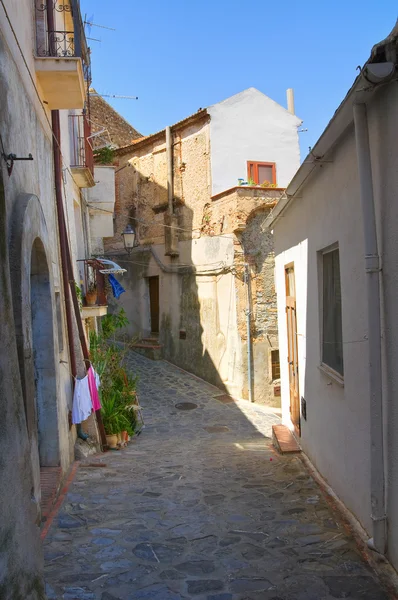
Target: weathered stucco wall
{"x":251,"y":127}
{"x":40,"y":434}
{"x":336,"y":434}
{"x":209,"y":306}
{"x":20,"y":547}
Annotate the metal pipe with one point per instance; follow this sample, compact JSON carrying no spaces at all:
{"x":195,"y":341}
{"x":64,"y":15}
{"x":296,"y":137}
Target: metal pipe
{"x":169,"y":156}
{"x":249,"y":339}
{"x":372,"y":269}
{"x":290,"y":100}
{"x":62,"y":239}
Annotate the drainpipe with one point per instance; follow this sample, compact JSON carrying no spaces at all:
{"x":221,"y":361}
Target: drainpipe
{"x":62,"y":239}
{"x":249,"y":338}
{"x":169,"y":156}
{"x":372,"y":269}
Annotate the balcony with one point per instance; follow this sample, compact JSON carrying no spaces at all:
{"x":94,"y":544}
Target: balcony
{"x":93,"y":289}
{"x":62,"y":58}
{"x":82,"y":160}
{"x":94,"y":284}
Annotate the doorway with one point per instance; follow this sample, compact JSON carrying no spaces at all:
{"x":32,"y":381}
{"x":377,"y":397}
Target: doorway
{"x":45,"y":409}
{"x":153,"y":283}
{"x":292,"y":347}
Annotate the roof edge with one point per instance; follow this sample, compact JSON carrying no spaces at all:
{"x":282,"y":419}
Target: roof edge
{"x":159,"y":134}
{"x":360,"y":92}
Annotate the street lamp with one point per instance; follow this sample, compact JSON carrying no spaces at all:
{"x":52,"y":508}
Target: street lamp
{"x":129,"y":238}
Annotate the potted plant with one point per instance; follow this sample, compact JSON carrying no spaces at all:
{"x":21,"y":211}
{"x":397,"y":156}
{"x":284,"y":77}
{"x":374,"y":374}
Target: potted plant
{"x":91,"y":295}
{"x":114,"y":418}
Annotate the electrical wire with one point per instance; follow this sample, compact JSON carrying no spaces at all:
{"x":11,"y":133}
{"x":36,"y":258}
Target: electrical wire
{"x":155,"y":224}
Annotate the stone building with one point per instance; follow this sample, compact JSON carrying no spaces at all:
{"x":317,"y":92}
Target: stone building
{"x":44,"y":220}
{"x":200,"y":285}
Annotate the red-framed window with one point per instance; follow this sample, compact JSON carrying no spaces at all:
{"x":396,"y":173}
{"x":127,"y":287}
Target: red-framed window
{"x":259,"y":172}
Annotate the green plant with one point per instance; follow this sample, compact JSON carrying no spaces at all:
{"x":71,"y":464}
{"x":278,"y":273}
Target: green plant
{"x":268,"y":184}
{"x":118,"y":387}
{"x":92,"y":287}
{"x":251,"y":182}
{"x":114,"y":418}
{"x":110,"y":323}
{"x":104,"y":156}
{"x":79,"y":295}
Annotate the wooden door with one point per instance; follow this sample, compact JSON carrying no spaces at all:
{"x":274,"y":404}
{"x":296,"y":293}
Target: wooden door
{"x":154,"y":303}
{"x":292,"y":347}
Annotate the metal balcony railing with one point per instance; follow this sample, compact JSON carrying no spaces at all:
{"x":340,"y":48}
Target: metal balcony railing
{"x":93,"y":279}
{"x":60,"y":31}
{"x":81,"y":151}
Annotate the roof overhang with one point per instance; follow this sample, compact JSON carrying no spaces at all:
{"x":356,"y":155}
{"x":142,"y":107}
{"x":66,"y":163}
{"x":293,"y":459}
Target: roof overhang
{"x":360,"y":92}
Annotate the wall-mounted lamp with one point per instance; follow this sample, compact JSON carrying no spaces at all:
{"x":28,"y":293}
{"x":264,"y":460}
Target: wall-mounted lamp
{"x":129,"y":238}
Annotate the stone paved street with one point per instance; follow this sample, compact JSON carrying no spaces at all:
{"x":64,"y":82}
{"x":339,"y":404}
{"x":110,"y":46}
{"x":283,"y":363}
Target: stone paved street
{"x":201,"y":507}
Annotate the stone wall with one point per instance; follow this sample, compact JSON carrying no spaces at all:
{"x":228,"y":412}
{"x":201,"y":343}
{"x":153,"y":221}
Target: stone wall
{"x":202,"y":292}
{"x":104,"y":116}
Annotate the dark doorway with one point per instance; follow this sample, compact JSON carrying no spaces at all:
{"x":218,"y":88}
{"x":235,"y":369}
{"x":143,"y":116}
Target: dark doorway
{"x":45,"y":386}
{"x":153,"y":283}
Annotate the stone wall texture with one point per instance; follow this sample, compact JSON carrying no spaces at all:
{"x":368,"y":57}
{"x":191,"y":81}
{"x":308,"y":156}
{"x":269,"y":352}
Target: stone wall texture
{"x":102,"y":115}
{"x":202,"y":292}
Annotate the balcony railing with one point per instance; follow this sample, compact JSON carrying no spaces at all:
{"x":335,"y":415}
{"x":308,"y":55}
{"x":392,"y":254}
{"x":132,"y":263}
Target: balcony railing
{"x":60,"y":32}
{"x":81,"y":151}
{"x":93,"y":279}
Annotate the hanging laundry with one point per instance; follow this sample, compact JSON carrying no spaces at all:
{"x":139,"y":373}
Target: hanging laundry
{"x":82,"y":404}
{"x":93,"y":384}
{"x":117,"y":288}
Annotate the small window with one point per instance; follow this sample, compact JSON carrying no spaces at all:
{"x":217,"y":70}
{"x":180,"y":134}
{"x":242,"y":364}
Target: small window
{"x":275,"y":365}
{"x":261,"y":172}
{"x":332,"y":331}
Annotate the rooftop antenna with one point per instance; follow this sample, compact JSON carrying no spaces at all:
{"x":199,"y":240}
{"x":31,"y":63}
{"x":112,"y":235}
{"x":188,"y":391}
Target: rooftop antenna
{"x":89,"y":23}
{"x":114,"y":96}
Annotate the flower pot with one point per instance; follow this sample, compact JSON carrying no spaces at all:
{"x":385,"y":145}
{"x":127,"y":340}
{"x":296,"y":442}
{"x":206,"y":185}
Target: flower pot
{"x":125,"y":437}
{"x":91,"y":298}
{"x":111,"y":440}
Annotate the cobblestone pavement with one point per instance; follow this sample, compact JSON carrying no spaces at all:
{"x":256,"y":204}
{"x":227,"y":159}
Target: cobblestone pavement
{"x":200,"y":507}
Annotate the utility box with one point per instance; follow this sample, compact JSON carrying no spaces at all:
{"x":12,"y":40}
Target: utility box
{"x":171,"y":235}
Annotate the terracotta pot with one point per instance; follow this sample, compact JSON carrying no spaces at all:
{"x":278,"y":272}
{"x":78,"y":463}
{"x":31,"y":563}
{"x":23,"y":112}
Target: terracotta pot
{"x":111,"y":440}
{"x":125,"y":437}
{"x":91,"y":298}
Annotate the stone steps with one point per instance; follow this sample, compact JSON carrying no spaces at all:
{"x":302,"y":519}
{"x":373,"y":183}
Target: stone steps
{"x":149,"y":347}
{"x":283,"y":440}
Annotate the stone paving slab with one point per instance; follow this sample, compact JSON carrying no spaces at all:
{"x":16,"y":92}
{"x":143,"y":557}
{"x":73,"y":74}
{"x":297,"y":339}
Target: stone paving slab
{"x":200,"y":507}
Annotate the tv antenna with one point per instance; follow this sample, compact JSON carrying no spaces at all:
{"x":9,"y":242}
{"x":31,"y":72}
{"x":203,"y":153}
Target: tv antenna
{"x":88,"y":24}
{"x":114,"y":96}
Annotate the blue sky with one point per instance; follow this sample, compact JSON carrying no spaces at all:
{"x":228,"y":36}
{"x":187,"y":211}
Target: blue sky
{"x":181,"y":55}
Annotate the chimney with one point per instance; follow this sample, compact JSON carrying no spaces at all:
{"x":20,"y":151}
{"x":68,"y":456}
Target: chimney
{"x":290,"y":100}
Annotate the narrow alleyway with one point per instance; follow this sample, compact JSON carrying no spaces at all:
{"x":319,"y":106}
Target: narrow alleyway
{"x":200,"y":506}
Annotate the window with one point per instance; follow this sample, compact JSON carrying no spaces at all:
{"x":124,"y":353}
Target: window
{"x":275,"y":366}
{"x":332,"y":333}
{"x":259,"y":172}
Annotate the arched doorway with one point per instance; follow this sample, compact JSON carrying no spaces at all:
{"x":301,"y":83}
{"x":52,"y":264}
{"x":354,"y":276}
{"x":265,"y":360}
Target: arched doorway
{"x":44,"y":368}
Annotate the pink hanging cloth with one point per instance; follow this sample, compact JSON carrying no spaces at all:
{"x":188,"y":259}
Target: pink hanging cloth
{"x":93,"y":384}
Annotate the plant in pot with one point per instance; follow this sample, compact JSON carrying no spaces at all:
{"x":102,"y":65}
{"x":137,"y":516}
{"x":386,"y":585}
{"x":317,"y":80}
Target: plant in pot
{"x":113,"y":417}
{"x":91,"y":295}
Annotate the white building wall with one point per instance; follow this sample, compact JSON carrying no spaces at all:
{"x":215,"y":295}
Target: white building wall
{"x":335,"y":435}
{"x":101,"y":205}
{"x":383,"y":125}
{"x":251,"y":127}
